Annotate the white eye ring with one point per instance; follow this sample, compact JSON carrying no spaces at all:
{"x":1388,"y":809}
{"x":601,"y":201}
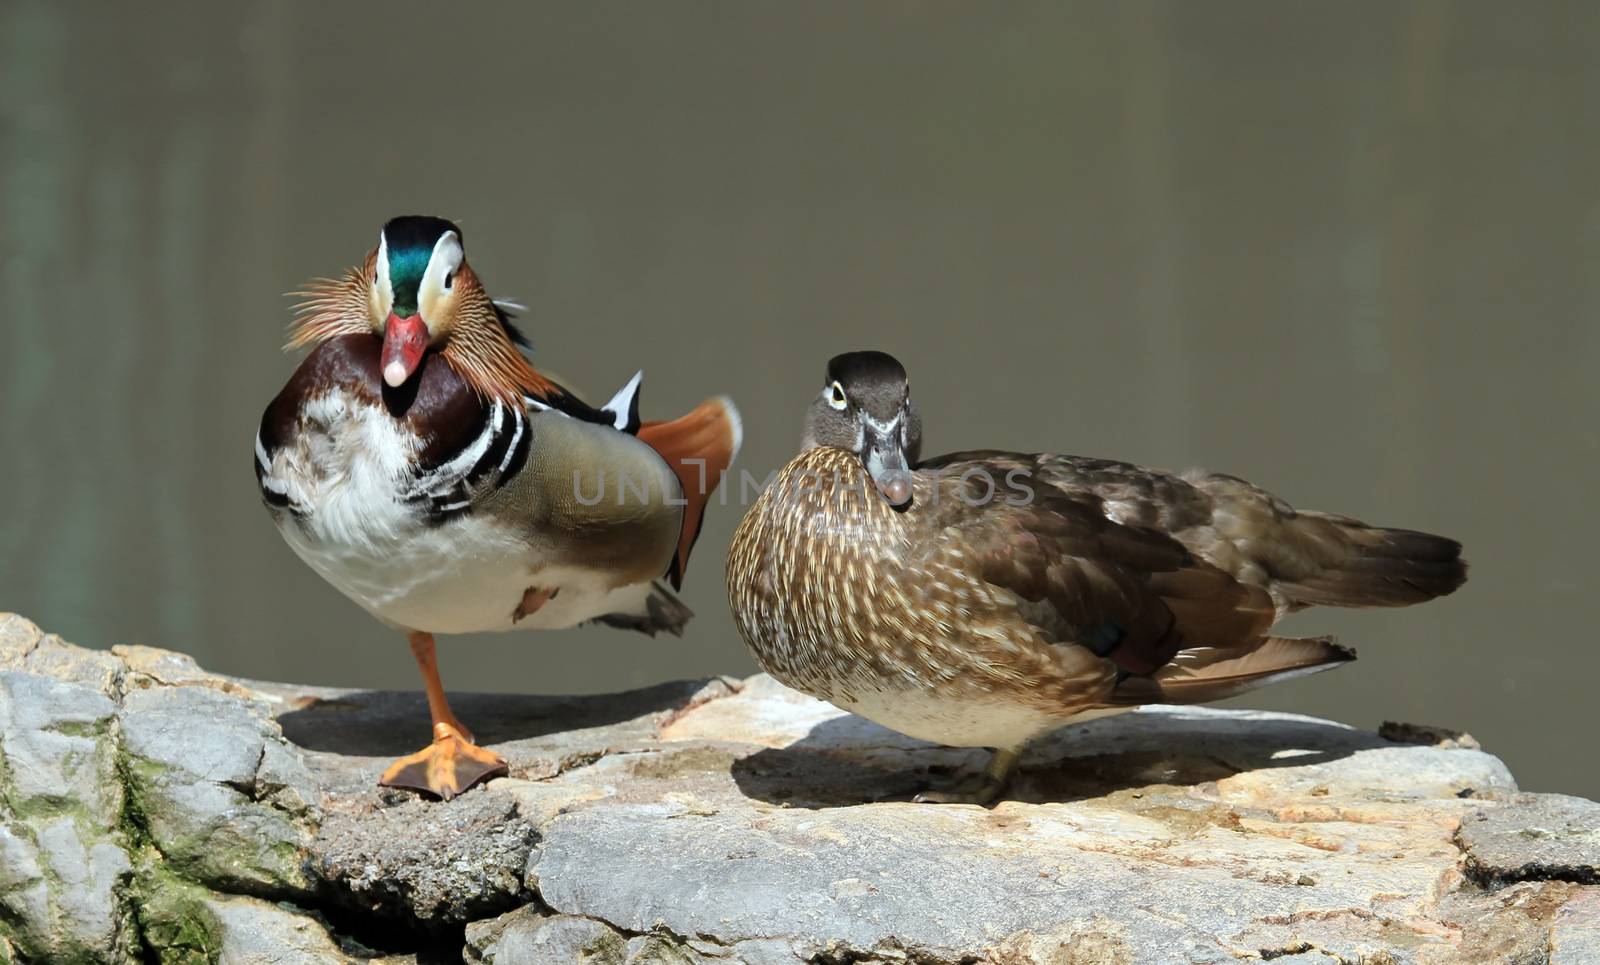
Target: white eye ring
{"x":836,"y":396}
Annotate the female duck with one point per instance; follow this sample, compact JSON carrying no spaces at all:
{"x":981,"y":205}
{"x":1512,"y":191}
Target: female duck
{"x":982,"y":599}
{"x":421,"y":465}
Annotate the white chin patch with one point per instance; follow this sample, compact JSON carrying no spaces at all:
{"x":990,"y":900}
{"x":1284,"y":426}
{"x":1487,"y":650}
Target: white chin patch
{"x":394,"y":374}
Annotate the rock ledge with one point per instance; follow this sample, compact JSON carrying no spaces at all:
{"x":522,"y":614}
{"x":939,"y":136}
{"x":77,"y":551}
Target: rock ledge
{"x":152,"y":811}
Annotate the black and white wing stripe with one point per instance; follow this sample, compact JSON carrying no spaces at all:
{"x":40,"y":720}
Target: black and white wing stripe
{"x":491,"y":460}
{"x":274,"y":491}
{"x":499,"y":451}
{"x":621,"y":413}
{"x":624,"y":406}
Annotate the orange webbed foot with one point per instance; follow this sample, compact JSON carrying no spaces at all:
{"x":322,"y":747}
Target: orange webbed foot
{"x":448,"y":766}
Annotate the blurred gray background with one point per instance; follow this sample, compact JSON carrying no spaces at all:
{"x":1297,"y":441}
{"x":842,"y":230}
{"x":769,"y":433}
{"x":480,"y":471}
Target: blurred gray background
{"x":1347,"y":251}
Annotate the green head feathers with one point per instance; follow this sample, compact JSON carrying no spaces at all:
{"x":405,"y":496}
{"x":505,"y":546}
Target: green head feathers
{"x":408,"y":242}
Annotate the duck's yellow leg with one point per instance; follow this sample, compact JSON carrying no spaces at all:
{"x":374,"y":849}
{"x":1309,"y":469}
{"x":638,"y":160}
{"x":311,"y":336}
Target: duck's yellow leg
{"x":452,"y":763}
{"x":989,"y":787}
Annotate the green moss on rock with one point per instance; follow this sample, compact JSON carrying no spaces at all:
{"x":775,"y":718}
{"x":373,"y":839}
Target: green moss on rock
{"x":173,"y":919}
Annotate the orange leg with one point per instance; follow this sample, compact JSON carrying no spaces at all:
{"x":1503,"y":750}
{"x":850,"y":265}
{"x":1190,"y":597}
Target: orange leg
{"x":452,"y":763}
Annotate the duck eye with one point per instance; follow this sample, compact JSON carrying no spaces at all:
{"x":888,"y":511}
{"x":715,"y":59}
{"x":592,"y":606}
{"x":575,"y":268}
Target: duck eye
{"x":836,"y":396}
{"x":449,"y":279}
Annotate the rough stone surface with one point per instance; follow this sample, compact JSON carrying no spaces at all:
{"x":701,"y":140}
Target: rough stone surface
{"x":1576,"y":935}
{"x":152,"y":811}
{"x":528,"y":935}
{"x":250,"y":931}
{"x":409,"y":862}
{"x":63,"y":859}
{"x":223,"y":798}
{"x":1534,"y":837}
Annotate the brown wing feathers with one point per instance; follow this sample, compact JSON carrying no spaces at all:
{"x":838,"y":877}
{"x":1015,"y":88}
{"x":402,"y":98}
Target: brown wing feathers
{"x":1183,"y":599}
{"x":1212,"y":607}
{"x":1087,"y":574}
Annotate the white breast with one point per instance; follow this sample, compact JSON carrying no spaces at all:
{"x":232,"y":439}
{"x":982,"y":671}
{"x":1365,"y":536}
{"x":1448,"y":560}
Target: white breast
{"x":345,"y":475}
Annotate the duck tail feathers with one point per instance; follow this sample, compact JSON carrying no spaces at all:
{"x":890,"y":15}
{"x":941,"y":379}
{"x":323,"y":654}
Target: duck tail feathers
{"x":1379,"y":567}
{"x":700,"y":447}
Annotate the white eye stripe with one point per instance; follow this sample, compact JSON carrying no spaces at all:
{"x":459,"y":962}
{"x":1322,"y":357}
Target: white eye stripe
{"x":443,"y":263}
{"x":382,"y":286}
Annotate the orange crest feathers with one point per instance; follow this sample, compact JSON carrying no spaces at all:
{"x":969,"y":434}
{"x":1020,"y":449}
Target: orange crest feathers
{"x":481,"y":350}
{"x":332,"y":307}
{"x":478,"y":345}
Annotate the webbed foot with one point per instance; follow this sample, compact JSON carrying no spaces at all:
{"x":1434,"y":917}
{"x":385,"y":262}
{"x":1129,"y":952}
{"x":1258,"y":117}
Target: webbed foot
{"x":445,"y":768}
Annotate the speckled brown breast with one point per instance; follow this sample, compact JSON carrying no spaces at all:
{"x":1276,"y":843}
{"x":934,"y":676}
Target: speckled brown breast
{"x":838,"y":595}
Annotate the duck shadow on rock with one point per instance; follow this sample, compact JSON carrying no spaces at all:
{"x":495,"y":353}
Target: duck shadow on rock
{"x":847,"y":760}
{"x":389,"y":723}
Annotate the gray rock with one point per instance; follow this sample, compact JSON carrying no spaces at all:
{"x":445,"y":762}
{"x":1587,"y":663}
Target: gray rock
{"x":1535,"y":837}
{"x":24,"y":647}
{"x":18,"y":638}
{"x":723,"y":821}
{"x":414,"y":863}
{"x":183,"y":922}
{"x":1205,"y":834}
{"x":859,"y":881}
{"x":58,"y":755}
{"x":62,"y":857}
{"x":143,"y":667}
{"x":530,"y":935}
{"x":249,"y":931}
{"x":1575,"y":939}
{"x":87,"y":876}
{"x":526,"y":935}
{"x":223,"y":800}
{"x":24,"y":892}
{"x":348,"y":737}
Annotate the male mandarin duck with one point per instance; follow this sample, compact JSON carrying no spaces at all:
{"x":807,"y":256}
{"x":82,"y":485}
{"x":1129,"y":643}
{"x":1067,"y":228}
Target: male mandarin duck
{"x":420,"y":464}
{"x":982,"y":599}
